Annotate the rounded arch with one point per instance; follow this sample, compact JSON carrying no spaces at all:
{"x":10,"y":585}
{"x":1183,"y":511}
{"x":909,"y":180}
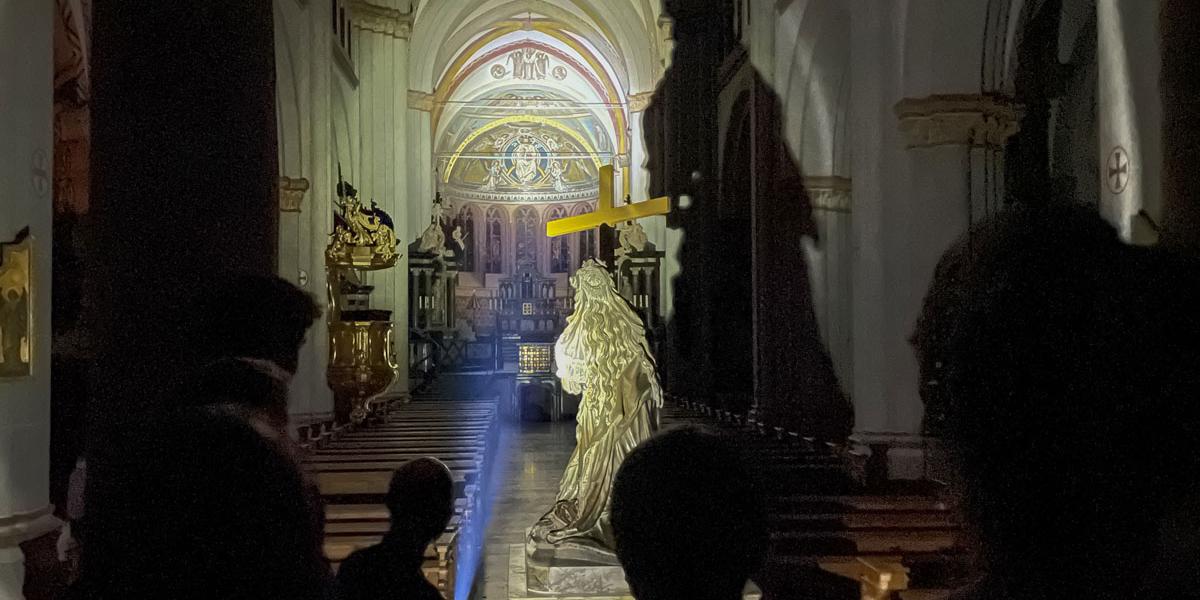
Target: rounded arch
{"x":813,"y":80}
{"x":622,"y":30}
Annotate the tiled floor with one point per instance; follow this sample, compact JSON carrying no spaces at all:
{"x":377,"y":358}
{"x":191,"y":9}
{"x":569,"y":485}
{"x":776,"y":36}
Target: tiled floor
{"x":530,"y":462}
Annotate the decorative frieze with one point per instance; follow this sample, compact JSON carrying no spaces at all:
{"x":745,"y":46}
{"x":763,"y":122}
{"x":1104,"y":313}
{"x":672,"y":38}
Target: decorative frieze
{"x":380,"y":19}
{"x":829,"y":193}
{"x":422,"y":101}
{"x":291,"y":193}
{"x":957,"y":119}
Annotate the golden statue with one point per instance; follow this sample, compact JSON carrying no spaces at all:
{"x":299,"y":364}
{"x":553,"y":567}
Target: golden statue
{"x":362,"y":237}
{"x":603,"y":354}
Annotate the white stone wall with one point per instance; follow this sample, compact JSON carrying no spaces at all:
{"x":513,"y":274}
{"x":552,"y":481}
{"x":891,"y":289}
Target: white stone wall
{"x":26,"y":159}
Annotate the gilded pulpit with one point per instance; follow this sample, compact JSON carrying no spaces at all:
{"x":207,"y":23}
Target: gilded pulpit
{"x":362,"y":361}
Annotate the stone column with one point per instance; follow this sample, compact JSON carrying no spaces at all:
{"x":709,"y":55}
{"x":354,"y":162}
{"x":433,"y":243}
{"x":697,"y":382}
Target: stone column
{"x":382,"y":35}
{"x":420,"y":162}
{"x":1181,"y":124}
{"x":829,"y":262}
{"x":184,"y":177}
{"x":310,"y":392}
{"x":27,"y":70}
{"x":919,"y":126}
{"x":1130,"y":118}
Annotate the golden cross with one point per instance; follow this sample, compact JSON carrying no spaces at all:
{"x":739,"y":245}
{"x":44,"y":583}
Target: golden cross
{"x":606,"y":213}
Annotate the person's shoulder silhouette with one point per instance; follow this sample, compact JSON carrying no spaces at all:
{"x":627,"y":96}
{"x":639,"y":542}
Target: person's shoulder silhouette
{"x":196,"y":503}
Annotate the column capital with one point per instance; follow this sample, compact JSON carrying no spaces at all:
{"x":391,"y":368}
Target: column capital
{"x":828,"y":192}
{"x":422,"y":101}
{"x":24,"y":526}
{"x":291,"y":193}
{"x":639,"y":101}
{"x":380,"y":19}
{"x":958,"y":120}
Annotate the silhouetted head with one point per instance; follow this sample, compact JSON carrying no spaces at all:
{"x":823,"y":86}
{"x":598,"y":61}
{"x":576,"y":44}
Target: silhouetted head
{"x":1071,"y":378}
{"x":688,"y":518}
{"x":420,"y":499}
{"x":197,"y":504}
{"x":254,"y":316}
{"x":254,"y":385}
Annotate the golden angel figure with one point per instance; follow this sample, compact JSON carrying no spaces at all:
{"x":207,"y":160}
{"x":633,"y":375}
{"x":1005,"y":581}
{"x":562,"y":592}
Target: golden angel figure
{"x":602,"y":354}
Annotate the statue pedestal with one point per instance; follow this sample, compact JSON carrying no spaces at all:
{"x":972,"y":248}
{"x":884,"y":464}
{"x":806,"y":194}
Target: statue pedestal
{"x":565,"y":579}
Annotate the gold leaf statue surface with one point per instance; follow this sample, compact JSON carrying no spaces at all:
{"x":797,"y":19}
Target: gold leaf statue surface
{"x":603,"y":354}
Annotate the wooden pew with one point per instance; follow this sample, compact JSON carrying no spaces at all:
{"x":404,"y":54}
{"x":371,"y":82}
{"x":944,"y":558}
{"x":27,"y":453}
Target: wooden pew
{"x":822,"y":516}
{"x":353,"y":468}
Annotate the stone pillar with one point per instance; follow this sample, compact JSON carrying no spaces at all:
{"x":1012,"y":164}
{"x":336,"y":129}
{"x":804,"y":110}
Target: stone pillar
{"x":915,"y":142}
{"x":1181,"y":124}
{"x":26,"y":75}
{"x":184,"y":178}
{"x":382,"y":36}
{"x":420,"y":162}
{"x":829,"y":260}
{"x":310,"y":393}
{"x":1130,"y":118}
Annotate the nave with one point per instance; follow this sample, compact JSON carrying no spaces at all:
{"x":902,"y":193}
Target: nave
{"x":835,"y":533}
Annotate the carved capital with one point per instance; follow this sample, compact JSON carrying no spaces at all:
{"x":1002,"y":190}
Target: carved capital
{"x":958,"y":120}
{"x":418,"y":100}
{"x":380,"y":19}
{"x":25,"y":526}
{"x":829,"y":193}
{"x":639,"y":101}
{"x":291,"y":193}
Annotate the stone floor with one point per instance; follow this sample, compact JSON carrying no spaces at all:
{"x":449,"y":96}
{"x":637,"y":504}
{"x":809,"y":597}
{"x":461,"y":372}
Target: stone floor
{"x":531,"y":458}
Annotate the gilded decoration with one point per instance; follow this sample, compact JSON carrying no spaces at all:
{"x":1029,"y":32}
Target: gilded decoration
{"x":603,"y":355}
{"x":291,"y":193}
{"x":380,"y":19}
{"x":16,"y":307}
{"x":545,"y":153}
{"x":362,"y":237}
{"x":958,"y":119}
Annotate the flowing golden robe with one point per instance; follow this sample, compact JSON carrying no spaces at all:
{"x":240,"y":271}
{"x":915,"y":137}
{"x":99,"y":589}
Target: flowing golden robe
{"x":603,"y":354}
{"x":605,"y":434}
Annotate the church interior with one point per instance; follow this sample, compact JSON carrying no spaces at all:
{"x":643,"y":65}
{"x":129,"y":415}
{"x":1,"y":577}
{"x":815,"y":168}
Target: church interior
{"x":536,"y":234}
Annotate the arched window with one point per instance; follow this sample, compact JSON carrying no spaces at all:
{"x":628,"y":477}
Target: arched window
{"x":466,"y":220}
{"x":587,"y":238}
{"x":526,"y":235}
{"x":494,"y":252}
{"x":560,"y":247}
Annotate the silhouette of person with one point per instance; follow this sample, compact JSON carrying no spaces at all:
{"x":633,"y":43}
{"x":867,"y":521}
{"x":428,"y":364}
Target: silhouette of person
{"x":199,"y":505}
{"x":253,"y":316}
{"x":1070,"y":370}
{"x":420,"y":499}
{"x":688,"y":520}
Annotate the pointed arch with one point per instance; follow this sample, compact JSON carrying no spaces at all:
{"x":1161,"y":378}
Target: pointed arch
{"x":494,"y":251}
{"x":525,"y":235}
{"x":560,"y":247}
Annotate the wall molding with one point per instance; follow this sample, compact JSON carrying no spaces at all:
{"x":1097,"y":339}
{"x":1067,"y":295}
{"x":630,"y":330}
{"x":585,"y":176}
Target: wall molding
{"x":639,"y":101}
{"x":380,"y":19}
{"x":422,"y":101}
{"x":958,"y":120}
{"x":828,"y":192}
{"x":21,"y":527}
{"x":291,"y":193}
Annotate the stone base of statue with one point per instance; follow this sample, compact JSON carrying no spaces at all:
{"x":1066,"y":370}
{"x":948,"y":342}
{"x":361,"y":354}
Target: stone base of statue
{"x":549,"y":573}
